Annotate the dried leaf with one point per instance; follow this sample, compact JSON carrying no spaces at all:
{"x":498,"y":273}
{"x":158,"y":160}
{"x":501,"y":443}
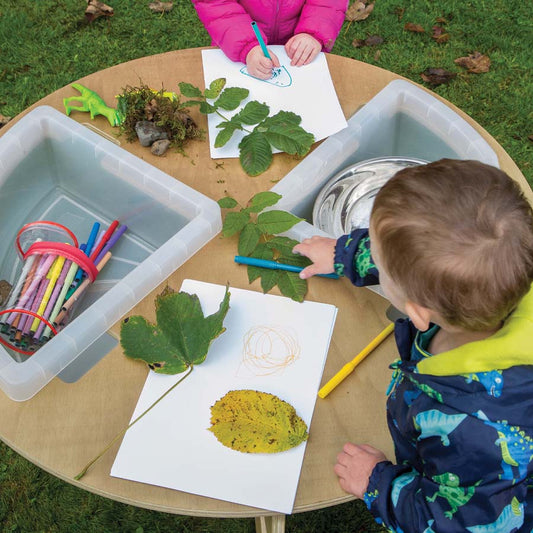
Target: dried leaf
{"x":439,"y":35}
{"x":374,"y":40}
{"x":358,"y":43}
{"x":437,"y":76}
{"x":359,"y":11}
{"x":416,"y":28}
{"x":476,"y":63}
{"x":96,"y":9}
{"x":399,"y":11}
{"x":160,"y":7}
{"x":377,"y":55}
{"x":256,"y":422}
{"x":4,"y":120}
{"x":441,"y":20}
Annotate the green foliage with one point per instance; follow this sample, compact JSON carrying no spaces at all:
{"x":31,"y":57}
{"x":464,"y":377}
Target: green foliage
{"x":282,"y":131}
{"x":257,"y":238}
{"x":181,"y":337}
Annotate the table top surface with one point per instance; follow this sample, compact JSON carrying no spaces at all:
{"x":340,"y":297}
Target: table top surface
{"x":65,"y":425}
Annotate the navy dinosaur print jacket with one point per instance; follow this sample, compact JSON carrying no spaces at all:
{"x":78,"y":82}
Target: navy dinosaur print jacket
{"x":461,"y":422}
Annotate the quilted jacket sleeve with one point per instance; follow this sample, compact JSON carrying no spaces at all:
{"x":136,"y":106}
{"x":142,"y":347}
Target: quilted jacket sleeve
{"x":229,"y":26}
{"x":323,"y":20}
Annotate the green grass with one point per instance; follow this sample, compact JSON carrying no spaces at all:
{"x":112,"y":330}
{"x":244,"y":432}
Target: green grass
{"x":46,"y":44}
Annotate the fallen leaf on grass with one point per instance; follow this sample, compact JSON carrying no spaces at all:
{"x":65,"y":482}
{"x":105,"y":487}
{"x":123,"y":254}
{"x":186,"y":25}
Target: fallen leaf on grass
{"x":530,"y":137}
{"x":439,"y":35}
{"x":437,"y":76}
{"x":476,"y":63}
{"x":399,"y":11}
{"x":359,"y":11}
{"x":96,"y":9}
{"x":372,"y":40}
{"x":416,"y":28}
{"x":161,"y":7}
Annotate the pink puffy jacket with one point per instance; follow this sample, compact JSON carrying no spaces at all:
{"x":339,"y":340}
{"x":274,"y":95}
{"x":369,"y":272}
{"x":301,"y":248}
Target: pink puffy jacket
{"x":228,"y":22}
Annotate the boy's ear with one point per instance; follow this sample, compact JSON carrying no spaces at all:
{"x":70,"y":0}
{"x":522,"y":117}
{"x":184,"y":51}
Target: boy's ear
{"x":420,"y":316}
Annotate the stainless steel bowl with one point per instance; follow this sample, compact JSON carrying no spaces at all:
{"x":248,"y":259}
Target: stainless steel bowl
{"x":346,"y":200}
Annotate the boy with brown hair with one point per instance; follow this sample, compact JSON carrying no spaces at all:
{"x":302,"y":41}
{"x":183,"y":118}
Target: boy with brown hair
{"x":452,"y":244}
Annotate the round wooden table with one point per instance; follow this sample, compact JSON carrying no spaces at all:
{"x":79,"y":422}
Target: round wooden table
{"x":65,"y":425}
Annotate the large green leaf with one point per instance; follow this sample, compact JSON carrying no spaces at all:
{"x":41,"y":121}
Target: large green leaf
{"x":292,"y":286}
{"x":261,"y":252}
{"x":255,"y":153}
{"x":290,"y":138}
{"x":227,"y":202}
{"x":248,"y":239}
{"x":282,"y":118}
{"x":234,"y":222}
{"x":231,"y":98}
{"x":181,"y":337}
{"x":256,"y":422}
{"x":283,"y":245}
{"x":215,"y":88}
{"x":262,"y":200}
{"x":252,"y":113}
{"x":227,"y":130}
{"x":275,"y":221}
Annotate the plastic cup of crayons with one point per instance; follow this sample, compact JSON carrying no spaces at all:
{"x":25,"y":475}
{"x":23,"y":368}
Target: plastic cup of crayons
{"x":44,"y":292}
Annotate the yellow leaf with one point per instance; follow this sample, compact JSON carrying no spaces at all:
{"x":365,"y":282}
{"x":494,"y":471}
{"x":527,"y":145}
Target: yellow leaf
{"x":256,"y":422}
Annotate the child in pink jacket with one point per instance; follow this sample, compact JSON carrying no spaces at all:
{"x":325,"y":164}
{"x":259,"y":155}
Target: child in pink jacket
{"x":305,"y":27}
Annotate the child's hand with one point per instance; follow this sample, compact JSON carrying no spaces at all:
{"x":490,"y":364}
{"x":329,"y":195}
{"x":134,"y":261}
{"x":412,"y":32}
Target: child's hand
{"x":321,"y":250}
{"x":260,"y":66}
{"x":302,"y":48}
{"x":354,"y":466}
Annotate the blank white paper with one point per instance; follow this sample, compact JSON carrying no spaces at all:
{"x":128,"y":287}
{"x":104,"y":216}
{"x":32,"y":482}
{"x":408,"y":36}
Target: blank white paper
{"x":172,"y":447}
{"x":311,"y":95}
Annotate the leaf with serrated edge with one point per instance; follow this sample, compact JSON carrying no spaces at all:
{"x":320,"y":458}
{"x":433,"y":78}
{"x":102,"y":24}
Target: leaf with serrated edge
{"x":260,"y":252}
{"x":291,"y":139}
{"x":283,"y":245}
{"x":282,"y":118}
{"x":224,"y":135}
{"x":227,"y":202}
{"x":234,"y":222}
{"x":252,"y":113}
{"x":248,"y":239}
{"x":215,"y":88}
{"x":250,"y":421}
{"x":262,"y":200}
{"x":292,"y":286}
{"x":275,"y":221}
{"x":189,"y":90}
{"x":255,"y":153}
{"x":231,"y":98}
{"x":269,"y":279}
{"x":206,"y":108}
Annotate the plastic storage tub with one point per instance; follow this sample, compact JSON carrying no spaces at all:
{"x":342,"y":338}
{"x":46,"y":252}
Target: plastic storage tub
{"x":52,"y":168}
{"x":401,"y":120}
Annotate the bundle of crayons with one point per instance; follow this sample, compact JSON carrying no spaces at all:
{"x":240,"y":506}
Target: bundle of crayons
{"x":42,"y":299}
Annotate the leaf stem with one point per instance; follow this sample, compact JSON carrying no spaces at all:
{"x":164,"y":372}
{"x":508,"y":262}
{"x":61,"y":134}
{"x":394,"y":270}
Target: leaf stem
{"x":88,"y":465}
{"x":222,"y":116}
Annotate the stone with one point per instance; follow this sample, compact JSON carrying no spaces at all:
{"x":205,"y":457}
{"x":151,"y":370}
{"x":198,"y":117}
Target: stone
{"x":148,"y":132}
{"x":160,"y":147}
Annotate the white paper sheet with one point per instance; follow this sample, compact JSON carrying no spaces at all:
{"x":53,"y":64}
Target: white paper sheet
{"x":311,"y":95}
{"x":172,"y":447}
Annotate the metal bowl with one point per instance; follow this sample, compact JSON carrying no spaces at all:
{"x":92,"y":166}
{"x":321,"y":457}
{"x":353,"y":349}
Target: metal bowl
{"x":346,"y":200}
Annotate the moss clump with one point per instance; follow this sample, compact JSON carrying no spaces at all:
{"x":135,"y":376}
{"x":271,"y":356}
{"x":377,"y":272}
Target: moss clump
{"x":162,"y":108}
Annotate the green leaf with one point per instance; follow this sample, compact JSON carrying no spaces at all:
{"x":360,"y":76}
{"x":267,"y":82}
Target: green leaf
{"x":276,"y":221}
{"x":231,"y":98}
{"x":227,"y":202}
{"x":269,"y":279}
{"x":207,"y":109}
{"x":225,"y":135}
{"x":292,"y":286}
{"x":234,"y":222}
{"x":189,"y":90}
{"x":290,"y":138}
{"x":181,"y":337}
{"x":248,"y":239}
{"x":284,"y":119}
{"x":261,"y":252}
{"x":215,"y":87}
{"x":256,"y":422}
{"x":252,"y":113}
{"x":142,"y":340}
{"x":255,"y":153}
{"x":284,"y":246}
{"x":262,"y":200}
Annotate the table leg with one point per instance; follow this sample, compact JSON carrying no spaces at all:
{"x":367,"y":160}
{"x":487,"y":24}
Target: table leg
{"x":270,"y":524}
